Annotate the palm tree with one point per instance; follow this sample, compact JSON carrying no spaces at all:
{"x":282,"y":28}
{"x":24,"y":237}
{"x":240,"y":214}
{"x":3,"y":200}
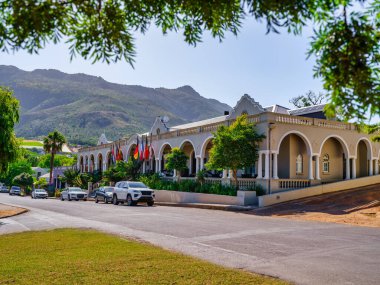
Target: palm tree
{"x":53,"y":143}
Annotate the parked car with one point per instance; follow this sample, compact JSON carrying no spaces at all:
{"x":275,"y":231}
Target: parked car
{"x":104,"y":194}
{"x":15,"y":190}
{"x":132,"y":192}
{"x":39,"y":193}
{"x":4,"y":189}
{"x":73,"y":193}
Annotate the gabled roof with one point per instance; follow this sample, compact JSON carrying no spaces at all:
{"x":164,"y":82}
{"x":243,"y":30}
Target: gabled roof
{"x":199,"y":123}
{"x":277,"y":109}
{"x":307,"y":110}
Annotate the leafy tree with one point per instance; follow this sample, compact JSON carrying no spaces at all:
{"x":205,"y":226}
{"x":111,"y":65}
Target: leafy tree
{"x":123,"y":171}
{"x":346,"y":42}
{"x":309,"y":99}
{"x":41,"y":183}
{"x":14,"y":169}
{"x":53,"y":143}
{"x":24,"y":180}
{"x":59,"y":160}
{"x":9,"y":116}
{"x":176,"y":160}
{"x":235,"y":147}
{"x":70,"y":176}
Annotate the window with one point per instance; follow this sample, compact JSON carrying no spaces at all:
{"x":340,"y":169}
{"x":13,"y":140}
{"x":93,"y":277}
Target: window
{"x":299,"y":164}
{"x":326,"y":164}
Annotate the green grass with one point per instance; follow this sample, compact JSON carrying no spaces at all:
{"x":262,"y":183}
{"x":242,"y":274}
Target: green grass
{"x":31,"y":143}
{"x":73,"y":256}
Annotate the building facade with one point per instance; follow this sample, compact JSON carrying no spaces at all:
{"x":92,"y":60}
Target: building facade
{"x":302,"y":148}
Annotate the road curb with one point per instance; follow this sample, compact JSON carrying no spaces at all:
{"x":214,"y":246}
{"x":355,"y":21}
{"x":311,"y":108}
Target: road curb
{"x":23,"y":211}
{"x":220,"y":207}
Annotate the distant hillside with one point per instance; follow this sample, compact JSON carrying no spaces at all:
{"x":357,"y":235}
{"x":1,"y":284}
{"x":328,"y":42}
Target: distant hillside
{"x":83,"y":106}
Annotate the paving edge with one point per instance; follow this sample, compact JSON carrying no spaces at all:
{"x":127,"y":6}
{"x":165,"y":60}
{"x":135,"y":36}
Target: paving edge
{"x":233,"y":208}
{"x":23,"y":211}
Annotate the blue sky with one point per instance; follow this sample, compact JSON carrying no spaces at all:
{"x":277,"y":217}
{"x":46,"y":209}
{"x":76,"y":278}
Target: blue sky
{"x":271,"y":68}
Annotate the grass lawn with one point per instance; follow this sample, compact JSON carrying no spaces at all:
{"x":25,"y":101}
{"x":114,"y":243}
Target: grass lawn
{"x":31,"y":143}
{"x":73,"y":256}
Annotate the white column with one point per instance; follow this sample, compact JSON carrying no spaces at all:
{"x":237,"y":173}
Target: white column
{"x":196,"y":164}
{"x":104,"y":166}
{"x":317,"y":175}
{"x":260,"y":166}
{"x":275,"y":168}
{"x":201,"y":163}
{"x":159,"y":165}
{"x":266,"y":165}
{"x":144,"y":167}
{"x":353,"y":168}
{"x":348,"y":174}
{"x":96,"y":163}
{"x":225,"y":173}
{"x":311,"y":167}
{"x":174,"y":173}
{"x":376,"y":166}
{"x":88,"y":165}
{"x":370,"y":170}
{"x":230,"y":174}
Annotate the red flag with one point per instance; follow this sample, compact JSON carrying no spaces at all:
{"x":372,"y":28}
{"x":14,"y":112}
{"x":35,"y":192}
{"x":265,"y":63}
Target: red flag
{"x":146,"y":151}
{"x":136,"y":153}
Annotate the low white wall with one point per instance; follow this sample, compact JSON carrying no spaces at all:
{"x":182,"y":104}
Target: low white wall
{"x":243,"y":198}
{"x":276,"y":198}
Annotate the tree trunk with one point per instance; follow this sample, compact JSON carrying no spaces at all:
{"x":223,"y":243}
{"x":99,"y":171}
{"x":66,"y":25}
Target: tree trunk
{"x":234,"y":171}
{"x":51,"y":167}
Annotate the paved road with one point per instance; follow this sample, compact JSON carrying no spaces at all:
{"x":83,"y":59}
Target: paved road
{"x":302,"y":252}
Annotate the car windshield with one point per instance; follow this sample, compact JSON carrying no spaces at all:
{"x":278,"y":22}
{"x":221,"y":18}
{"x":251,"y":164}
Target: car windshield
{"x":16,"y":188}
{"x":108,"y":189}
{"x":40,"y":190}
{"x":136,"y":185}
{"x":75,"y":189}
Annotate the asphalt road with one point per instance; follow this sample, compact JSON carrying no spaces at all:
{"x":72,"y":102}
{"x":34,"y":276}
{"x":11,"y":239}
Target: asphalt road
{"x":298,"y":251}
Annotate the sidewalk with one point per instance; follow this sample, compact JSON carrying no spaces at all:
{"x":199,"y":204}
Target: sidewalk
{"x":233,"y":208}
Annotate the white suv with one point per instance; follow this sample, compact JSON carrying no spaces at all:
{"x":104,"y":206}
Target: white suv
{"x":132,"y":192}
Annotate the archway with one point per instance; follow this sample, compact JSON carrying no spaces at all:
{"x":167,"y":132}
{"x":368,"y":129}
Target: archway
{"x":165,"y":150}
{"x":189,"y":150}
{"x":86,"y":164}
{"x":81,"y":168}
{"x":131,"y":151}
{"x":92,"y":163}
{"x":294,"y":153}
{"x":100,"y":162}
{"x":109,"y":160}
{"x":363,"y":158}
{"x":205,"y":153}
{"x":332,"y":160}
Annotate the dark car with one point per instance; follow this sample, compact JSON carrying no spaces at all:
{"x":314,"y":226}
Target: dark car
{"x":4,"y":189}
{"x":104,"y":194}
{"x":15,"y":190}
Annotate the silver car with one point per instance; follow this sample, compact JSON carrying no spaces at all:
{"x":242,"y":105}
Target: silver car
{"x":15,"y":190}
{"x":39,"y":193}
{"x":73,"y":193}
{"x":4,"y":189}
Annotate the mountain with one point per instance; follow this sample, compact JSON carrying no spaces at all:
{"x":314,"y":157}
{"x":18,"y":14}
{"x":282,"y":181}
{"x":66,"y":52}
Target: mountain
{"x":83,"y":106}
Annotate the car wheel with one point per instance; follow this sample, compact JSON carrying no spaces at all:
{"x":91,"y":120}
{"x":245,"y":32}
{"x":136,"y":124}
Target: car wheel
{"x":62,"y":198}
{"x":76,"y":199}
{"x":114,"y":200}
{"x":69,"y":198}
{"x":31,"y":196}
{"x":96,"y":200}
{"x":150,"y":203}
{"x":85,"y":199}
{"x":130,"y":202}
{"x":105,"y":200}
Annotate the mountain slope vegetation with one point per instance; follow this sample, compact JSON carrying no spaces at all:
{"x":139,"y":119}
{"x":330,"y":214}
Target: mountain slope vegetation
{"x":83,"y":106}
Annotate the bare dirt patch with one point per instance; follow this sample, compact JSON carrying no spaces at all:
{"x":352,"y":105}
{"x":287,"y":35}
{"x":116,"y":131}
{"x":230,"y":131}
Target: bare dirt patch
{"x":360,"y":207}
{"x":9,"y":211}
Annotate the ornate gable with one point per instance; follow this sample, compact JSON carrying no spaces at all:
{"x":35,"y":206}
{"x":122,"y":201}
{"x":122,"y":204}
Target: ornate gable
{"x":246,"y":105}
{"x":158,"y":127}
{"x":102,"y":139}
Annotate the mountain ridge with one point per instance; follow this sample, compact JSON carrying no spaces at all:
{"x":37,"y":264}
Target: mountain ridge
{"x":83,"y":106}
